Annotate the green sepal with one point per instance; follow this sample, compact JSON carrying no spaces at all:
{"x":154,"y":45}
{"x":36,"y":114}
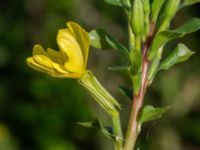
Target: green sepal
{"x":150,"y":113}
{"x":156,"y":7}
{"x":136,"y":61}
{"x":180,"y":54}
{"x":163,"y":37}
{"x":186,"y":3}
{"x":100,"y":39}
{"x":100,"y":94}
{"x":107,"y":131}
{"x":126,"y":92}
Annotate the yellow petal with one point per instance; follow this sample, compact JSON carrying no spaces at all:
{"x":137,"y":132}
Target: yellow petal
{"x":43,"y":61}
{"x":63,"y":73}
{"x":59,"y":69}
{"x":69,"y":45}
{"x":57,"y":56}
{"x":82,"y":37}
{"x":38,"y":50}
{"x":34,"y":65}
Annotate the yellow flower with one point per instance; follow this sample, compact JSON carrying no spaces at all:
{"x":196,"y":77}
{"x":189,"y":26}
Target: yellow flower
{"x":70,"y":61}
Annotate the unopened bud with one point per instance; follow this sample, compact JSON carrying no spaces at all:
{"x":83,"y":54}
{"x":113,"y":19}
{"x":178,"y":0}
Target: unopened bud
{"x":137,"y":17}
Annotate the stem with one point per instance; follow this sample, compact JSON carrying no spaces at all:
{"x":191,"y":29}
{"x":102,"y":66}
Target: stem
{"x":117,"y":132}
{"x":133,"y":127}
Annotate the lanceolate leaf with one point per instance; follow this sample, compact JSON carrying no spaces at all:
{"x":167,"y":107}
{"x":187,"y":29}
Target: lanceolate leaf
{"x":163,"y":37}
{"x":136,"y":61}
{"x":189,"y":2}
{"x":100,"y":39}
{"x":97,"y":125}
{"x":180,"y":54}
{"x":154,"y":66}
{"x":126,"y":91}
{"x":150,"y":113}
{"x":114,"y":2}
{"x":119,"y":2}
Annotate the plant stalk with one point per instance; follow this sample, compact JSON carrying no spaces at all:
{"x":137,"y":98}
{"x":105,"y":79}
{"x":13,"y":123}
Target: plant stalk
{"x":133,"y":127}
{"x":117,"y":132}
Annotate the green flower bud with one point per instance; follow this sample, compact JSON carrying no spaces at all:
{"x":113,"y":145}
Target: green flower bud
{"x":146,"y":5}
{"x":169,"y":13}
{"x":156,"y":6}
{"x":137,"y":17}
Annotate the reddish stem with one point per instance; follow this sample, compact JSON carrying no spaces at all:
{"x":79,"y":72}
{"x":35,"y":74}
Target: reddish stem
{"x":133,"y":127}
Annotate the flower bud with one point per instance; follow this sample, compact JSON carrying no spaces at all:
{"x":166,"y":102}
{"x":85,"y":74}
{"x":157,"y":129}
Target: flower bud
{"x":169,"y":13}
{"x":171,"y":8}
{"x":137,"y":17}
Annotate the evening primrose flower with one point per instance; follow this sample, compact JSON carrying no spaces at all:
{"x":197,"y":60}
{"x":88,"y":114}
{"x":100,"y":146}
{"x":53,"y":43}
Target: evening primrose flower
{"x":70,"y":61}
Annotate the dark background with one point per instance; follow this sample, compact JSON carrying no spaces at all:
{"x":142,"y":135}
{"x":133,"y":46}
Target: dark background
{"x":38,"y":112}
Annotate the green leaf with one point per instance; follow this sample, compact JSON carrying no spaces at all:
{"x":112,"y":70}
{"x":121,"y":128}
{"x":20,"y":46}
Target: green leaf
{"x":123,"y":69}
{"x":136,"y":61}
{"x":149,"y":113}
{"x":107,"y":131}
{"x":180,"y":54}
{"x":163,"y":37}
{"x":114,"y":2}
{"x":126,"y":3}
{"x":137,"y":83}
{"x":156,"y":7}
{"x":119,"y":2}
{"x":189,"y":2}
{"x":126,"y":92}
{"x":154,"y":66}
{"x":100,"y":39}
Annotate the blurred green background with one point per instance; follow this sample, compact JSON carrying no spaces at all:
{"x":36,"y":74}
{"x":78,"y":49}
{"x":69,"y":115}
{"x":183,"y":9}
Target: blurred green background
{"x":38,"y":112}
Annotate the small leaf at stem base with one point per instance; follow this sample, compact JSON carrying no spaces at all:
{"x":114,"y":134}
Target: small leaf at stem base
{"x":107,"y":131}
{"x":150,"y":113}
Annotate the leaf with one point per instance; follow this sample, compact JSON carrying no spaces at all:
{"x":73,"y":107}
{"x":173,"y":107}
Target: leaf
{"x":107,"y":131}
{"x":114,"y":2}
{"x":124,"y":69}
{"x":137,"y":83}
{"x":154,"y":66}
{"x":180,"y":54}
{"x":100,"y":39}
{"x":149,"y":113}
{"x":136,"y":61}
{"x":189,"y":2}
{"x":126,"y":92}
{"x":119,"y":2}
{"x":163,"y":37}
